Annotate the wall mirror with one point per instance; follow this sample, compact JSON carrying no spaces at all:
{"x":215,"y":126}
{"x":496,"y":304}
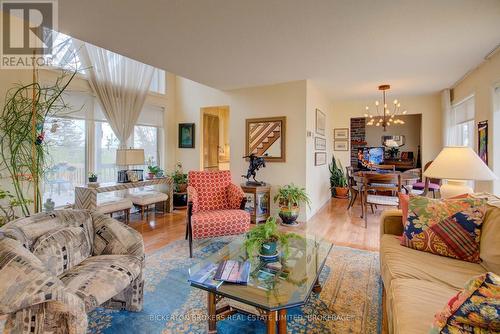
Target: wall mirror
{"x":393,"y":141}
{"x":266,"y":136}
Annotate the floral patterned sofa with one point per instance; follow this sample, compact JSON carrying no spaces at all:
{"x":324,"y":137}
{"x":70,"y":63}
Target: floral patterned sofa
{"x":55,"y":267}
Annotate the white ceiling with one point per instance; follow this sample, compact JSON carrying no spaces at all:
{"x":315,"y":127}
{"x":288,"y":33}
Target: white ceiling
{"x":349,"y":47}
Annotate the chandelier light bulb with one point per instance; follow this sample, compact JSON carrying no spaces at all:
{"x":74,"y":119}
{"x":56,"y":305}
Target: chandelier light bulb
{"x":376,"y":103}
{"x":385,"y":105}
{"x":404,"y":112}
{"x":367,"y":108}
{"x":395,"y":101}
{"x":399,"y":104}
{"x":366,"y":115}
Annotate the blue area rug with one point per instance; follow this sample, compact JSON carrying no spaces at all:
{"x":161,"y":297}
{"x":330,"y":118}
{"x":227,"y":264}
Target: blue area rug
{"x":350,"y":301}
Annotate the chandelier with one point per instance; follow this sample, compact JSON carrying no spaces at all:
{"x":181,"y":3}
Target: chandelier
{"x":383,"y":115}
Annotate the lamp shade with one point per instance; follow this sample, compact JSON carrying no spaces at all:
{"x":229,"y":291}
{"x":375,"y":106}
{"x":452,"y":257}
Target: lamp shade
{"x":130,"y":156}
{"x":459,"y":163}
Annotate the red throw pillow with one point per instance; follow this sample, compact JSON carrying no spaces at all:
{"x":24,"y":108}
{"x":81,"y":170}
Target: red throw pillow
{"x":404,"y":199}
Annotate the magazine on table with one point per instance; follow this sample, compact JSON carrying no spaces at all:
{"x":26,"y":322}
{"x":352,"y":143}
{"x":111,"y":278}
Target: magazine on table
{"x":205,"y":276}
{"x":233,"y":272}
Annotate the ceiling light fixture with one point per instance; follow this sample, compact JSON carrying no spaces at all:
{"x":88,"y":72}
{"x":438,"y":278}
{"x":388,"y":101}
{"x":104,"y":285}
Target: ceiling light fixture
{"x":384,"y":116}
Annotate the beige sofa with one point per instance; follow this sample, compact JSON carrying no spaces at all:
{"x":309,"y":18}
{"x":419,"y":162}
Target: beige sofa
{"x":418,"y":284}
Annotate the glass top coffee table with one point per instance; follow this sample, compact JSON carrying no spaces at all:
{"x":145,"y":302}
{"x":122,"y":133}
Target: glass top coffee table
{"x":272,"y":288}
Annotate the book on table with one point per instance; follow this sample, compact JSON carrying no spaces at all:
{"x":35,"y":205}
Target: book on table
{"x":205,"y":276}
{"x":233,"y":272}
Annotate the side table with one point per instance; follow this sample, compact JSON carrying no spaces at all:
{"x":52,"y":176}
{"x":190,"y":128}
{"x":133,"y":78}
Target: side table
{"x":258,"y":201}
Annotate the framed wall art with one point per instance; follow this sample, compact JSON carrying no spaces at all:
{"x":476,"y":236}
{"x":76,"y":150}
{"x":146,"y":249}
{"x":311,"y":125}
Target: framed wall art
{"x":482,"y":140}
{"x":341,"y":134}
{"x":319,"y":158}
{"x":319,"y":144}
{"x":266,"y":136}
{"x":186,"y":135}
{"x":341,"y":145}
{"x":320,"y":122}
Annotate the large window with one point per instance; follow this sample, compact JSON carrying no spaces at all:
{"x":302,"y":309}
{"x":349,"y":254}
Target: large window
{"x":146,"y":137}
{"x":65,"y":55}
{"x":463,"y":120}
{"x":66,"y":159}
{"x":106,"y":144}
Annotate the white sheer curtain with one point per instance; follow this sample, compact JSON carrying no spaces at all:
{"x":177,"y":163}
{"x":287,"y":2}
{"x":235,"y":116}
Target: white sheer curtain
{"x":449,"y":133}
{"x":120,"y":84}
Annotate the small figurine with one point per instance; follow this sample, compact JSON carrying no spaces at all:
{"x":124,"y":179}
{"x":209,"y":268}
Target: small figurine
{"x":49,"y":205}
{"x":256,"y":162}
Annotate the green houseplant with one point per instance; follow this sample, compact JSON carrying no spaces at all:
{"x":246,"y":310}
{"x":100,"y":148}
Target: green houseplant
{"x":8,"y":205}
{"x":153,"y":171}
{"x":265,"y":239}
{"x":92,"y":177}
{"x":289,"y":198}
{"x":338,"y":179}
{"x":23,"y":148}
{"x":180,"y":179}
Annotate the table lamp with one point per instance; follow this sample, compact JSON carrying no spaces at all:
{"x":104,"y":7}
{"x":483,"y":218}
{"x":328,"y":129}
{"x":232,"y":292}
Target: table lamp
{"x":127,"y":157}
{"x":458,"y":164}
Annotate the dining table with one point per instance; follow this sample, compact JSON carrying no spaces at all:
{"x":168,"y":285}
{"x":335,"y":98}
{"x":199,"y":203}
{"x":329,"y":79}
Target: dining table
{"x":407,"y":179}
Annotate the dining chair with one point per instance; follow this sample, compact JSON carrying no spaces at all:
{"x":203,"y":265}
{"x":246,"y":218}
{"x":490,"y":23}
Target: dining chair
{"x":385,"y":183}
{"x":417,"y":174}
{"x":354,"y":187}
{"x":426,"y":185}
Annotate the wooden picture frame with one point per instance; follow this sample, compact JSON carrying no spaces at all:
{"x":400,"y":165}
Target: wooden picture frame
{"x":319,"y":144}
{"x":186,"y":136}
{"x":319,"y":158}
{"x":482,"y":140}
{"x":320,"y":122}
{"x":266,"y":136}
{"x":341,"y":145}
{"x":341,"y":134}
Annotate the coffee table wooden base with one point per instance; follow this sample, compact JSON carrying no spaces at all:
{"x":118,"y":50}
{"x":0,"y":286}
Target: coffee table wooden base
{"x":271,"y":317}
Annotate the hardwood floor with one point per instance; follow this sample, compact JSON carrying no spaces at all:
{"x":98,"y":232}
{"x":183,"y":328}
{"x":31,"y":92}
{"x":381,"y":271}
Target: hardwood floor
{"x":333,"y":222}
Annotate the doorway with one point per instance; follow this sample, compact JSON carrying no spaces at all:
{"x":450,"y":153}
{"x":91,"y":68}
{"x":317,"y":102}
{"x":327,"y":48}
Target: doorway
{"x":215,"y":138}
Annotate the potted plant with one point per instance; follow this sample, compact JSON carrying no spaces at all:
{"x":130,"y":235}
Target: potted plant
{"x":92,"y":177}
{"x":180,"y":180}
{"x":153,"y":171}
{"x":338,"y":179}
{"x":289,"y":198}
{"x":266,"y":240}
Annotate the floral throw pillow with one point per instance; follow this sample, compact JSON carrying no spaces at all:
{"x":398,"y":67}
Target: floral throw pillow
{"x":475,"y":309}
{"x":450,"y":227}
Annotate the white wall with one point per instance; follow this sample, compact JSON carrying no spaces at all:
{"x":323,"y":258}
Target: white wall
{"x":429,"y":106}
{"x":287,"y":99}
{"x":317,"y":177}
{"x":481,"y":83}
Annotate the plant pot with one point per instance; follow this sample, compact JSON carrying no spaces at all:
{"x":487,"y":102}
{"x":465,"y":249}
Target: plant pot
{"x":182,"y":187}
{"x":180,"y":199}
{"x":341,"y":192}
{"x":93,"y":179}
{"x":268,"y":248}
{"x":289,"y":215}
{"x":151,"y":176}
